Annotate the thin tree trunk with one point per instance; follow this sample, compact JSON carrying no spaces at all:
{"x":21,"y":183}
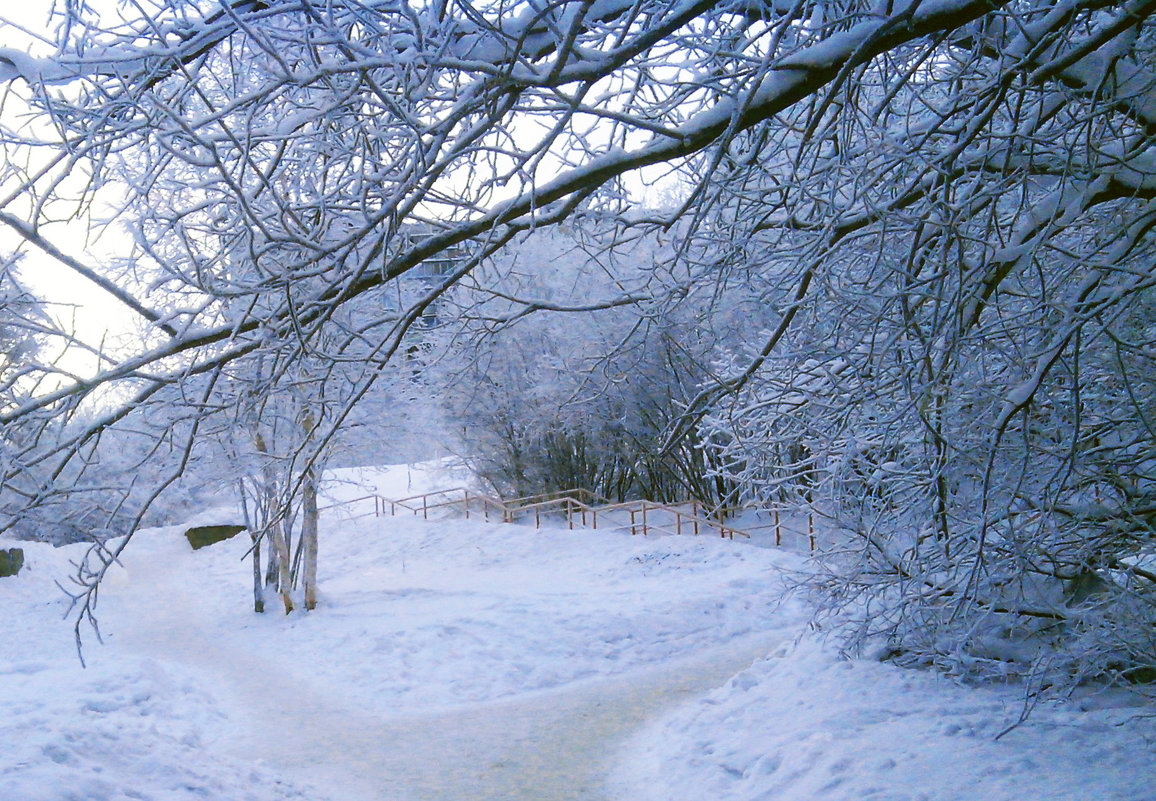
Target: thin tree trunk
{"x":255,"y":552}
{"x":309,"y":523}
{"x":279,"y":547}
{"x":309,"y":536}
{"x":258,"y":584}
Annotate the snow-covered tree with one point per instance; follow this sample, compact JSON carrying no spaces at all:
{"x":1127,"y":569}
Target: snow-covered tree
{"x":959,"y":248}
{"x":558,"y":400}
{"x":23,"y":325}
{"x":937,"y":214}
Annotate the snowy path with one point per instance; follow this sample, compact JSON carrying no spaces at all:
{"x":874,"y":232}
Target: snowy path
{"x":470,"y":662}
{"x":547,"y":746}
{"x":555,"y":745}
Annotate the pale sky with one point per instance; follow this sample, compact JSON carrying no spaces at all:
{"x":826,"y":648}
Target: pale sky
{"x":95,"y":314}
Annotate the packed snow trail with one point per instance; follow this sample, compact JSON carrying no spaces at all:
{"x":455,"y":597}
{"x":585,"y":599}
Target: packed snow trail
{"x":458,"y":661}
{"x":543,"y":744}
{"x":551,"y":745}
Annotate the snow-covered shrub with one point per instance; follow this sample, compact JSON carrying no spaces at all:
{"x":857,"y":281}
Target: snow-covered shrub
{"x":968,"y":396}
{"x":555,"y":400}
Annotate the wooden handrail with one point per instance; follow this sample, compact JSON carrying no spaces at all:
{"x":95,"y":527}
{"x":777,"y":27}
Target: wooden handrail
{"x":571,"y":503}
{"x":530,"y":500}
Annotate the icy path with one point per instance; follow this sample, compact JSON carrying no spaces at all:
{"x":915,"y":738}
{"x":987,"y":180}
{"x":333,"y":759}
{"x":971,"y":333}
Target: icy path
{"x":460,"y":661}
{"x":552,"y":745}
{"x":338,"y":731}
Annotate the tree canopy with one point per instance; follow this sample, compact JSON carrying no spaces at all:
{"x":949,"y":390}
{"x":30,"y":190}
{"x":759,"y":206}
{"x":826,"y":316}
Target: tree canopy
{"x":933,"y":218}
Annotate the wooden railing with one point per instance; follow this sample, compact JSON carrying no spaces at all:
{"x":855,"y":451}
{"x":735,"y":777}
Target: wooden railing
{"x":647,"y":517}
{"x":580,"y":507}
{"x":779,"y":527}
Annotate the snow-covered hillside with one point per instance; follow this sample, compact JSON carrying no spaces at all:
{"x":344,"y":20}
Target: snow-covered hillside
{"x":462,"y":660}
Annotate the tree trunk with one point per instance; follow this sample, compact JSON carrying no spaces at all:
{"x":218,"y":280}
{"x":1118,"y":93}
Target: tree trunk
{"x":279,"y":546}
{"x":255,"y":551}
{"x":258,"y":584}
{"x":309,"y":525}
{"x":309,"y":536}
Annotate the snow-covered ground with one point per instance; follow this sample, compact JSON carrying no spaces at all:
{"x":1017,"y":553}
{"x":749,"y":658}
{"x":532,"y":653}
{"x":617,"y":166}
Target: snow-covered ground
{"x":461,"y":660}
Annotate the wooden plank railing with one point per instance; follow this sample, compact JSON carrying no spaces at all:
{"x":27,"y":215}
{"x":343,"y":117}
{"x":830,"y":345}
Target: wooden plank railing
{"x":581,"y":507}
{"x":578,"y":506}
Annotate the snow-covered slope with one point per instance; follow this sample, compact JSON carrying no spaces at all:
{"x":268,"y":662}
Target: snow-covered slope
{"x":461,"y":660}
{"x":805,"y":725}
